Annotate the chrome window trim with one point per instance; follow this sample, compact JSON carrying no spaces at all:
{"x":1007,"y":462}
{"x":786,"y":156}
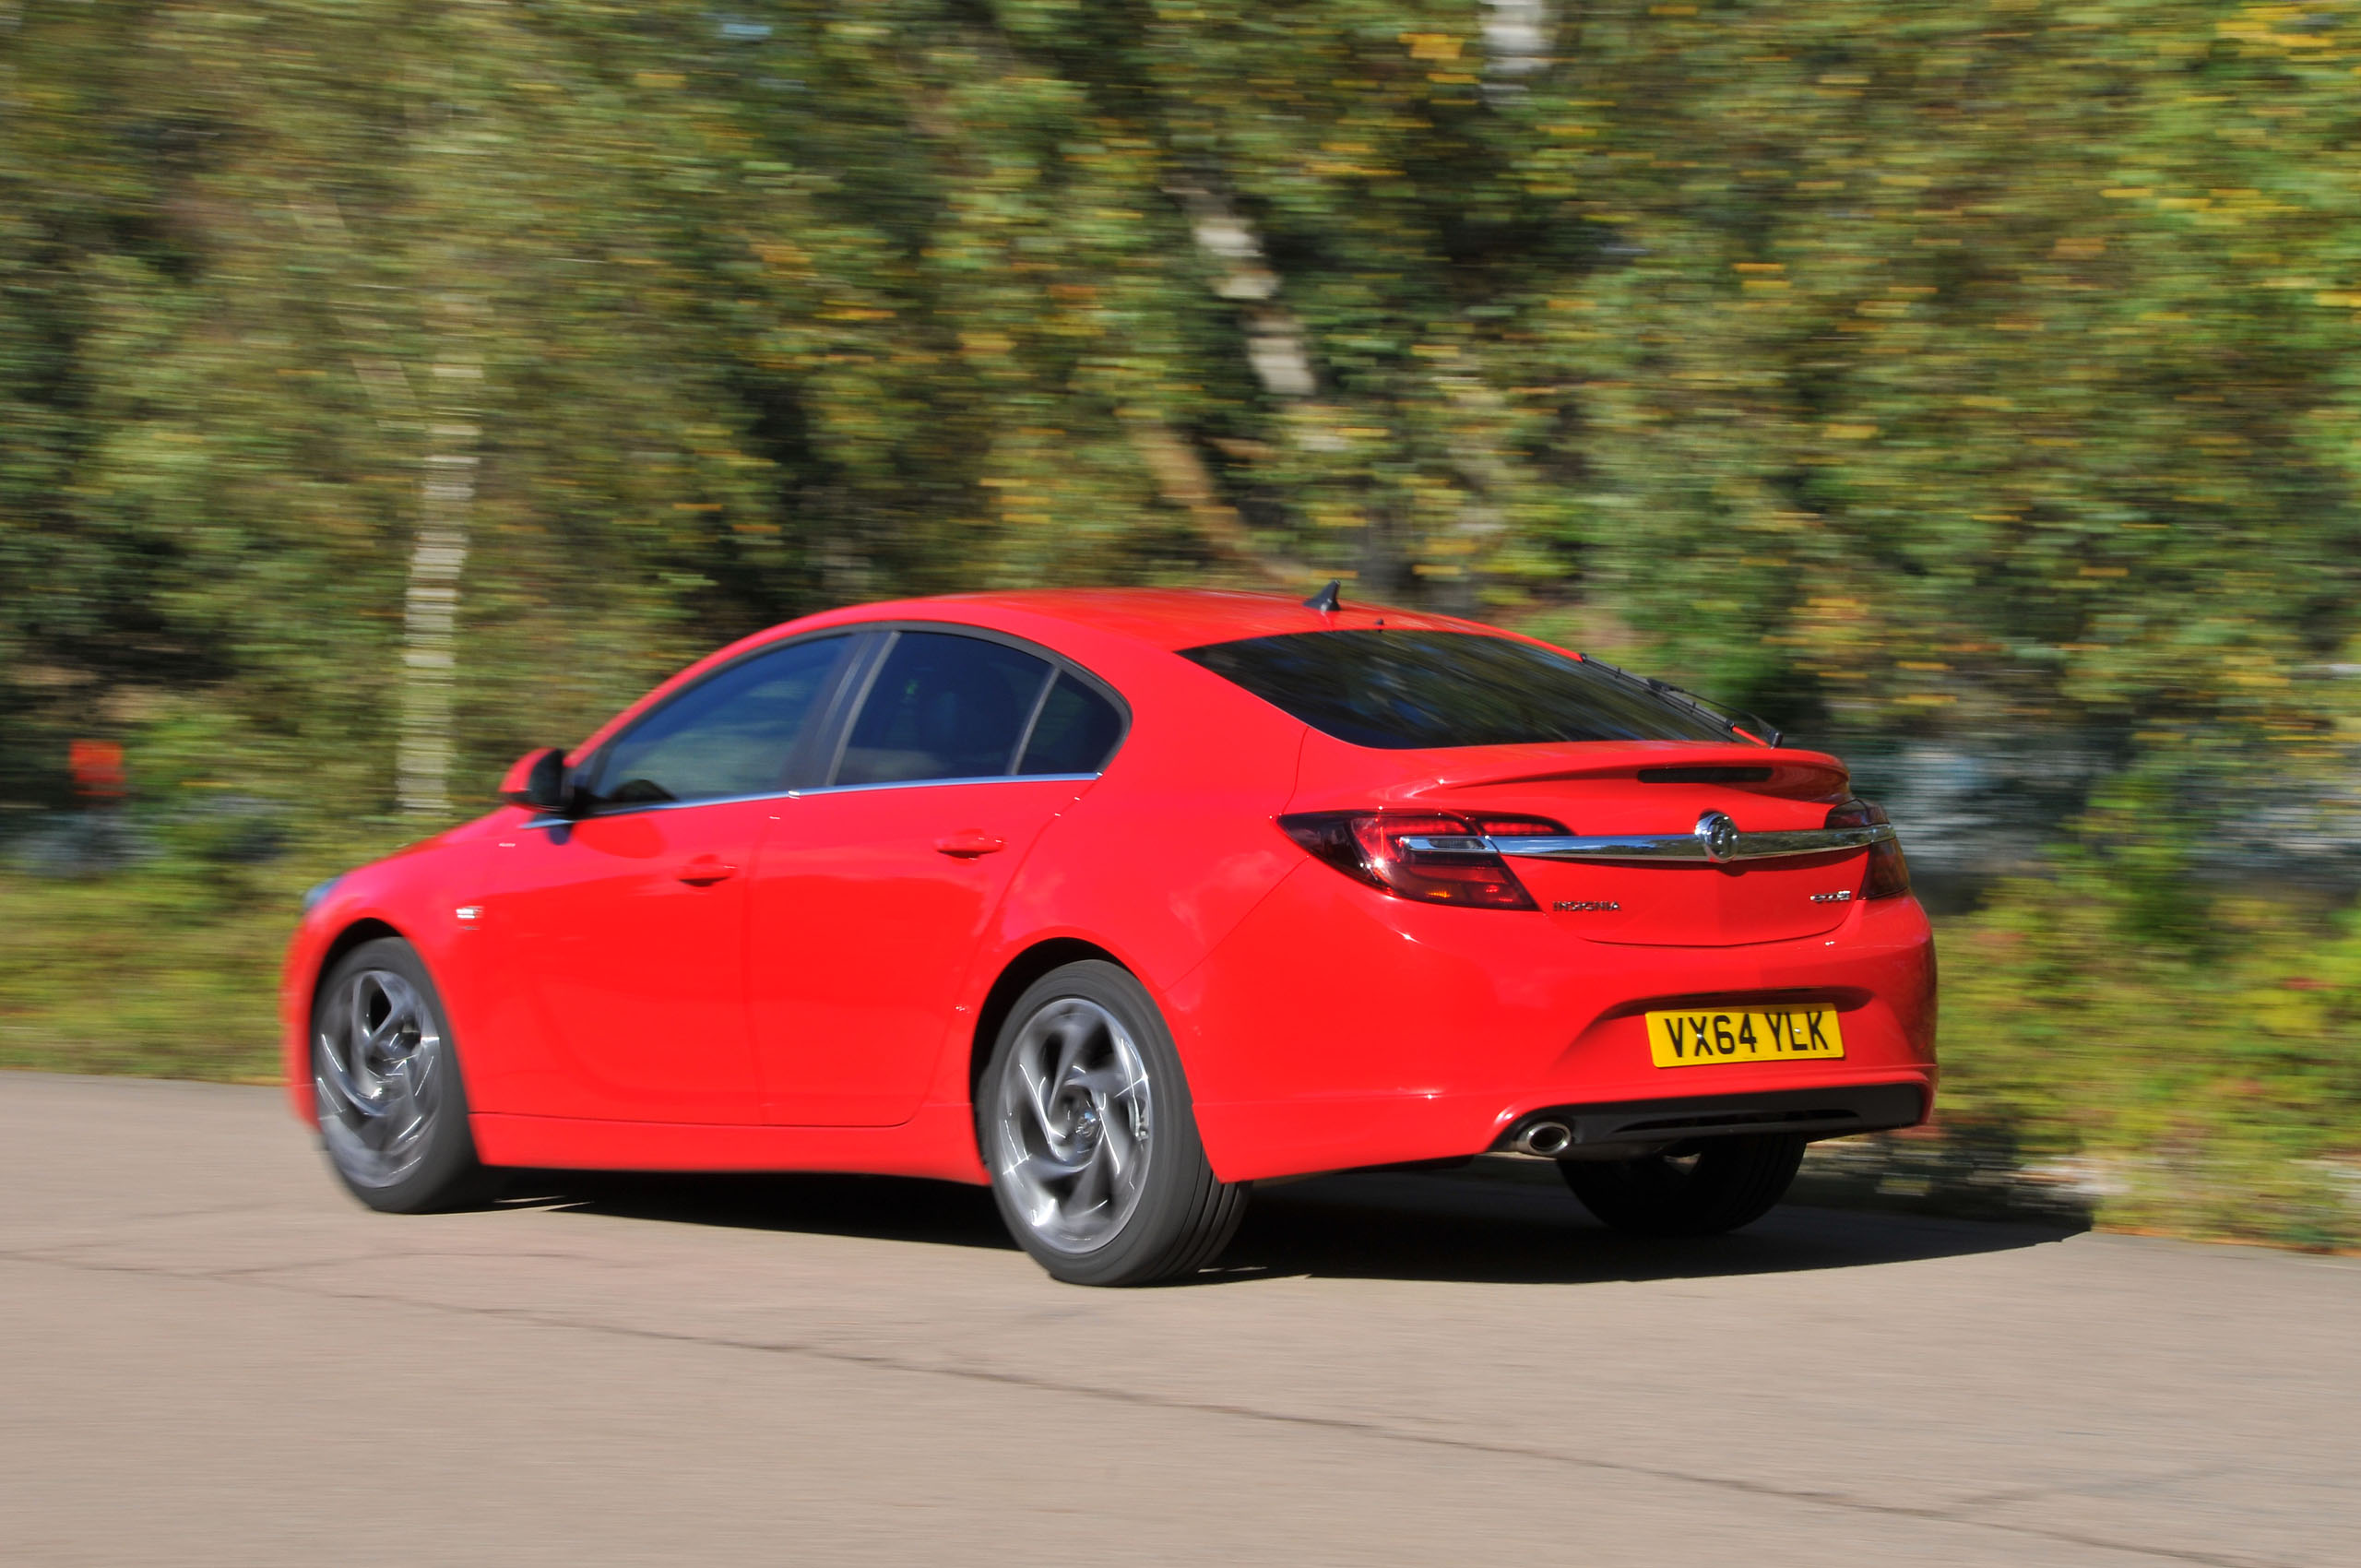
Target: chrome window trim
{"x":939,"y":783}
{"x":1689,"y":847}
{"x":634,"y":808}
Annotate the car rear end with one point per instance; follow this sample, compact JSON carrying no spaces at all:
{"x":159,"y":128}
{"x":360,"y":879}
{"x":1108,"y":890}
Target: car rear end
{"x":1651,"y":927}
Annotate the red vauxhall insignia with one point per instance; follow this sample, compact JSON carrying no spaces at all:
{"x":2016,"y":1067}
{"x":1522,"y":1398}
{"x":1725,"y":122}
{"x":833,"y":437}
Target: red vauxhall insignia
{"x":1120,"y":902}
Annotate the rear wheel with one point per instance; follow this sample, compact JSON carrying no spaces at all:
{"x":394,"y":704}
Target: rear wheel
{"x":1085,"y":1125}
{"x":393,"y":1113}
{"x":1713,"y":1185}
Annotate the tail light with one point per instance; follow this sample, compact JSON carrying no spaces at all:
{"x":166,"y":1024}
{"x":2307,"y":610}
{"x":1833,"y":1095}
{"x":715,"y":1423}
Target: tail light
{"x":1889,"y":873}
{"x":1433,"y":857}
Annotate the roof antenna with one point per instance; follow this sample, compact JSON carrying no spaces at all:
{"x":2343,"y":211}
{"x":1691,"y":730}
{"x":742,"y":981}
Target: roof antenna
{"x":1325,"y":599}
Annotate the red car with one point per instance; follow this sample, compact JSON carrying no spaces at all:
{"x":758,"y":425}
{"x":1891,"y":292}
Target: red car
{"x":1121,"y":901}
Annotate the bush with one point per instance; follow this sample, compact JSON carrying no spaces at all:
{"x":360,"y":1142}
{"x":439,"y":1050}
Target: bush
{"x":2208,"y":1087}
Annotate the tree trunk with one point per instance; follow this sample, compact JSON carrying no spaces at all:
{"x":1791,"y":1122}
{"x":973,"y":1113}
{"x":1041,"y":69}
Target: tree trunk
{"x":1182,"y":480}
{"x":430,"y":608}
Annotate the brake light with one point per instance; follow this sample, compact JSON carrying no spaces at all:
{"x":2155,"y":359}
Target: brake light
{"x":1433,"y":857}
{"x":1889,"y":873}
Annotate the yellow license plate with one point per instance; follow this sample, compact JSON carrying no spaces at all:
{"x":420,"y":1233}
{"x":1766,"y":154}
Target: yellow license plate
{"x":1704,"y":1038}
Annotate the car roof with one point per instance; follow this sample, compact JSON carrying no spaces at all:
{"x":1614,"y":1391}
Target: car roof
{"x":1166,"y":618}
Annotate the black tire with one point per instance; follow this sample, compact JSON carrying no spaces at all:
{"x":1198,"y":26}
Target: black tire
{"x":1165,"y":1216}
{"x":393,"y":1116}
{"x":1728,"y":1182}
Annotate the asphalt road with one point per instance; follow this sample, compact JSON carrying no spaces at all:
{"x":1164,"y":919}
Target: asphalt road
{"x":209,"y":1355}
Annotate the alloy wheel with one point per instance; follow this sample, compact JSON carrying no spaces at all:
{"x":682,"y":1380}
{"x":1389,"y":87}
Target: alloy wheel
{"x":377,"y":1068}
{"x":1074,"y":1125}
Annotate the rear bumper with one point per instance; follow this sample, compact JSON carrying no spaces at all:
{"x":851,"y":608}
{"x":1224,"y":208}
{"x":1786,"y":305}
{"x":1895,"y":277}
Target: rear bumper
{"x":1635,"y":1127}
{"x":1336,"y":1027}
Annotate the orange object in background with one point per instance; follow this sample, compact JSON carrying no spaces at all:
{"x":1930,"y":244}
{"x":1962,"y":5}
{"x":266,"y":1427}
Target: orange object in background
{"x":96,"y":766}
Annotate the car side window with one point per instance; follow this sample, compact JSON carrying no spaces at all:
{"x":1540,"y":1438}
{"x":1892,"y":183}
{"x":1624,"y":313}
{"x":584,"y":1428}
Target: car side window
{"x":942,"y":706}
{"x":730,"y":734}
{"x":1076,"y":729}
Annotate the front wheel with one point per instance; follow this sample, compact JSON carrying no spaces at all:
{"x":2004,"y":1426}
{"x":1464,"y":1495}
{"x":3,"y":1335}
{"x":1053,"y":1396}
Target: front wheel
{"x":393,"y":1111}
{"x":1085,"y":1125}
{"x":1713,"y":1185}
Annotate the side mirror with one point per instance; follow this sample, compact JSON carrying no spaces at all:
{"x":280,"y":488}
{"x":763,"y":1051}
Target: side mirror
{"x":536,"y":781}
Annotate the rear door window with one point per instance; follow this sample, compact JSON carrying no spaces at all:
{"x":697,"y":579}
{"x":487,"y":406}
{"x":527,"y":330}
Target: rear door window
{"x":943,"y":707}
{"x":1400,"y":691}
{"x":730,"y":734}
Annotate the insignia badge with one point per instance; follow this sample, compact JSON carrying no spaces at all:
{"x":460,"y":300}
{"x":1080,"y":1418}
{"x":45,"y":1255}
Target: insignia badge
{"x":1718,"y":834}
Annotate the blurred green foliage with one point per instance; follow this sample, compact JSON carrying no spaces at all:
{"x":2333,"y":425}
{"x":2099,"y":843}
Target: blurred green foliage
{"x":158,"y":975}
{"x":1950,"y":371}
{"x":1947,"y":368}
{"x":2210,"y":1090}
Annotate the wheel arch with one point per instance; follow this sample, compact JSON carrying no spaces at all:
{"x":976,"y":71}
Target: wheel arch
{"x":1022,"y":970}
{"x":367,"y":929}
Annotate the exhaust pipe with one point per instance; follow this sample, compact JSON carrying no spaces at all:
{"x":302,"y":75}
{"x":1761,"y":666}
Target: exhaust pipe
{"x":1546,"y":1139}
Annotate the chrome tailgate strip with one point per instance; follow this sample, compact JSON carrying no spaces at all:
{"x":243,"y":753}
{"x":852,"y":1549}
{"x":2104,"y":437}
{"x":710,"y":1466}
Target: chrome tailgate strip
{"x":1661,"y":846}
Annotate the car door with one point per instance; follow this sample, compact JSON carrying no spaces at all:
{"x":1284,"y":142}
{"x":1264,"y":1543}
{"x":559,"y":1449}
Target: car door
{"x":874,"y":891}
{"x":625,"y":926}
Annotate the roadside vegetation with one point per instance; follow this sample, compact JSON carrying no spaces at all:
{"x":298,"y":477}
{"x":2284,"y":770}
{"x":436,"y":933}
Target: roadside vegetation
{"x":2208,"y":1088}
{"x":150,"y":973}
{"x":386,"y":389}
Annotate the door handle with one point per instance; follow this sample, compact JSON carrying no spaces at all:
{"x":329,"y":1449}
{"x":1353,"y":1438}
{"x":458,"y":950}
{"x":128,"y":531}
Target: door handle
{"x":973,"y":842}
{"x":706,"y":869}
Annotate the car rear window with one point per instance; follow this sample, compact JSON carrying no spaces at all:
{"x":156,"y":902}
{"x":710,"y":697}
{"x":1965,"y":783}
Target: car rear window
{"x":1401,"y":691}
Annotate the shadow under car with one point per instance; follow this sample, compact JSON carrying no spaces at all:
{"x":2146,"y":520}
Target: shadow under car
{"x":1481,"y":1223}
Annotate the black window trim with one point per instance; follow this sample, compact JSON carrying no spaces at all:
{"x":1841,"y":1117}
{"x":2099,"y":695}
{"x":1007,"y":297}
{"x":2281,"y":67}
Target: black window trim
{"x":847,"y":688}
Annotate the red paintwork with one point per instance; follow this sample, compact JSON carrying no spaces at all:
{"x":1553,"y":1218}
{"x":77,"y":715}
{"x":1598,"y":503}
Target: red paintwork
{"x":626,"y":991}
{"x":861,"y":934}
{"x":817,"y":1006}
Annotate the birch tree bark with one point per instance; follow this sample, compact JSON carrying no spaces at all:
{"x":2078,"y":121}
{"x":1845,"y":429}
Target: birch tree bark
{"x":1276,"y":351}
{"x":1182,"y":480}
{"x":438,"y":557}
{"x":454,"y":146}
{"x":1275,"y":344}
{"x":1516,"y":43}
{"x":445,"y":421}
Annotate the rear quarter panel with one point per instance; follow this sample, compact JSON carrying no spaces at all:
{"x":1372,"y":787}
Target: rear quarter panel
{"x":1167,"y":852}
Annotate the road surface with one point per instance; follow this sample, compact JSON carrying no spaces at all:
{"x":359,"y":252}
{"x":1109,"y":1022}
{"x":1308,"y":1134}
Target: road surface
{"x":209,"y":1355}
